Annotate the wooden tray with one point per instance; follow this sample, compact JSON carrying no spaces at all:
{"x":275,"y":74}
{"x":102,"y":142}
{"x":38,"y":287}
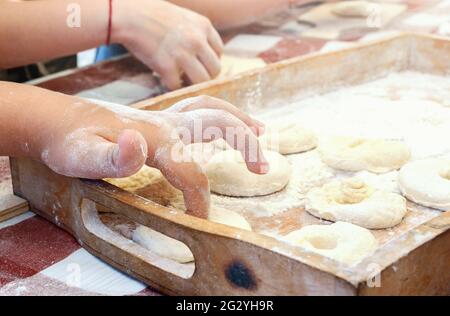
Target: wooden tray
{"x":234,"y":262}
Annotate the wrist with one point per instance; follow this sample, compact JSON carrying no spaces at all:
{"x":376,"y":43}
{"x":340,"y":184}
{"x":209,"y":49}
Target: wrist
{"x":120,"y":21}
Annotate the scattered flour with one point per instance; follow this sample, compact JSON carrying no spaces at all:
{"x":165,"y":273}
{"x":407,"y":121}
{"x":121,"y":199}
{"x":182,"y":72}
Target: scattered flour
{"x":408,"y":106}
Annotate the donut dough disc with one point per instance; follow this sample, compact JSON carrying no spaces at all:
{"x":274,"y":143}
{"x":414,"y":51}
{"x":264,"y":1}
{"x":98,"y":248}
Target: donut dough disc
{"x":288,"y":138}
{"x":357,"y":154}
{"x":355,"y":202}
{"x":427,"y":182}
{"x":340,"y":241}
{"x":167,"y":247}
{"x":353,"y":9}
{"x":228,"y":175}
{"x":235,"y":65}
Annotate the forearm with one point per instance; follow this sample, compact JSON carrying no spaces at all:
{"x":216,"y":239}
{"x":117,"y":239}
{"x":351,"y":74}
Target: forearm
{"x":233,"y":13}
{"x":32,"y":31}
{"x":28,"y":116}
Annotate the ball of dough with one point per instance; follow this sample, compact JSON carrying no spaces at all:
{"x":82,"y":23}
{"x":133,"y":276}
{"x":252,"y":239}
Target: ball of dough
{"x":340,"y":241}
{"x":427,"y":182}
{"x":167,"y":247}
{"x":356,"y":202}
{"x":228,"y":175}
{"x":355,"y":9}
{"x":357,"y":154}
{"x":288,"y":138}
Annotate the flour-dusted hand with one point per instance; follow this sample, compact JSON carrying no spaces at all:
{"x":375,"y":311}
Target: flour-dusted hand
{"x":78,"y":138}
{"x":169,"y":39}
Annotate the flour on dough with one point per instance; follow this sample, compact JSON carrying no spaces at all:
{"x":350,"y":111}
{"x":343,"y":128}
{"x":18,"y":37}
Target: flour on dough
{"x":354,"y":201}
{"x":357,"y":154}
{"x":427,"y":182}
{"x":355,"y":9}
{"x":162,"y":245}
{"x":228,"y":175}
{"x":235,"y":65}
{"x":287,"y":138}
{"x":340,"y":241}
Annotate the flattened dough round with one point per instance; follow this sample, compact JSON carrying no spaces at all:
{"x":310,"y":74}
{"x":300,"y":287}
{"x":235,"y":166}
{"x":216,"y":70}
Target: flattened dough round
{"x":354,"y":9}
{"x":340,"y":241}
{"x":357,"y":154}
{"x":167,"y":247}
{"x":288,"y":138}
{"x":427,"y":182}
{"x":228,"y":175}
{"x":354,"y":201}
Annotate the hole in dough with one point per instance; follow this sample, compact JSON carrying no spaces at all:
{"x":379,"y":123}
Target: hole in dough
{"x":354,"y":201}
{"x":341,"y":241}
{"x":352,"y":191}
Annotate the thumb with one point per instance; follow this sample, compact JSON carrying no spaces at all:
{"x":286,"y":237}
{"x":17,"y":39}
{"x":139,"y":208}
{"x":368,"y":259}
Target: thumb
{"x":93,"y":156}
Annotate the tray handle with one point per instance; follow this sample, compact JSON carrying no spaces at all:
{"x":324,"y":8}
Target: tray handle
{"x":202,"y":237}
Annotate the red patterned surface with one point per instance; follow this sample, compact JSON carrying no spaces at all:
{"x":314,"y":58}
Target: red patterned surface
{"x":288,"y":48}
{"x":31,"y":246}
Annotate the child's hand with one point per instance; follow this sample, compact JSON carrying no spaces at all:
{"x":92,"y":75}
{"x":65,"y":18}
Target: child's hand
{"x":107,"y":141}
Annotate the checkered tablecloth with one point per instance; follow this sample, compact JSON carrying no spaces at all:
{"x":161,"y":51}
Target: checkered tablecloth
{"x":38,"y":258}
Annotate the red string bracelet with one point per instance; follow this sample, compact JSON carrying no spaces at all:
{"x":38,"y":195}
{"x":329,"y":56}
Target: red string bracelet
{"x":108,"y":36}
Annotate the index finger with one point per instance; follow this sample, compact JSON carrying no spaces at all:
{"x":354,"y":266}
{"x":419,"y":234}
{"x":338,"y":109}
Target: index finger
{"x":186,"y":176}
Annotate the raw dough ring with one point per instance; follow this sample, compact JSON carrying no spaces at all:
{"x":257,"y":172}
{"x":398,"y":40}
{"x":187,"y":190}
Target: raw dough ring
{"x":288,"y":138}
{"x":340,"y":241}
{"x":427,"y":182}
{"x":354,"y":9}
{"x":357,"y":154}
{"x":167,"y":247}
{"x":354,"y":201}
{"x":228,"y":175}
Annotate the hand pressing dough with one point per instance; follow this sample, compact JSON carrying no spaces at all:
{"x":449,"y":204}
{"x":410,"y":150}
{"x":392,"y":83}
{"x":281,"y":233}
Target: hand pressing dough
{"x":354,"y":9}
{"x":167,"y":247}
{"x":235,"y":65}
{"x":228,"y":175}
{"x":427,"y":182}
{"x":340,"y":241}
{"x":288,"y":138}
{"x":201,"y":153}
{"x":356,"y":202}
{"x":357,"y":154}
